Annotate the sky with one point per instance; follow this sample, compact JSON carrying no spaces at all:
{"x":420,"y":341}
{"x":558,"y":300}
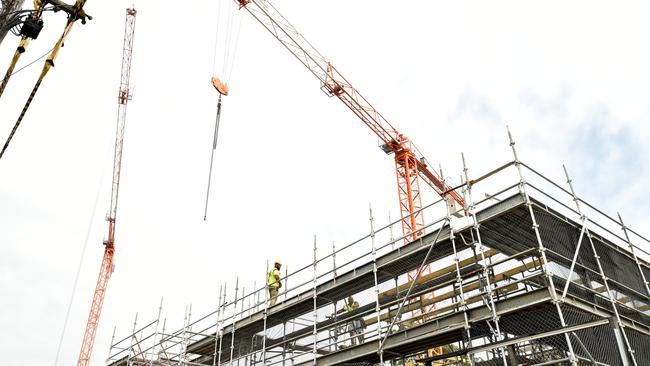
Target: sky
{"x":569,"y":78}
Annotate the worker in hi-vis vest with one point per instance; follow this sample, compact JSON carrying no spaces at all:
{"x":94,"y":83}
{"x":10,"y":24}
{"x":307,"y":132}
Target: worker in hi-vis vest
{"x":273,"y":282}
{"x":355,"y":327}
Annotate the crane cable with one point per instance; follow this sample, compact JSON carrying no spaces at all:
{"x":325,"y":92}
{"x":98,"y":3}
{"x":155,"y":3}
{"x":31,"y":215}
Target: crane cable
{"x":22,"y":46}
{"x":49,"y":63}
{"x":214,"y":147}
{"x":221,"y":87}
{"x":31,"y":62}
{"x":81,"y":257}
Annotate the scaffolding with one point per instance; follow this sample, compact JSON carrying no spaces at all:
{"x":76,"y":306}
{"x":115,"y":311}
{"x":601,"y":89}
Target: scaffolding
{"x":530,"y":274}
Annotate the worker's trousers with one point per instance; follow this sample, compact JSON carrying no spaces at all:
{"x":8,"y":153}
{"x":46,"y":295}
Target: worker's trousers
{"x":273,"y":295}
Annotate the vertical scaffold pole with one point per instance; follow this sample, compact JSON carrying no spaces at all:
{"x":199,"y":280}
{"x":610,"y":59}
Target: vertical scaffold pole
{"x":234,"y":319}
{"x":284,"y":344}
{"x":155,"y":334}
{"x":620,"y":329}
{"x":110,"y":349}
{"x":186,"y":335}
{"x":216,"y":331}
{"x":459,"y":279}
{"x":255,"y":296}
{"x":334,"y":263}
{"x":135,"y":323}
{"x":163,"y":340}
{"x":484,"y":264}
{"x":380,"y":350}
{"x":257,"y":293}
{"x":542,"y":250}
{"x":266,"y":310}
{"x":286,"y":282}
{"x":315,"y":332}
{"x":636,"y":259}
{"x":390,"y":229}
{"x":181,"y":353}
{"x":224,"y":305}
{"x":241,"y":316}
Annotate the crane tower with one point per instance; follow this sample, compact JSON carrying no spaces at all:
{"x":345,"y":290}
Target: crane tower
{"x":106,"y":268}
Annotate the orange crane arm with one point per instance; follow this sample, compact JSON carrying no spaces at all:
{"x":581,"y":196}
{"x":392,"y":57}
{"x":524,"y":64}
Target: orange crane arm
{"x":109,"y":250}
{"x":410,"y":163}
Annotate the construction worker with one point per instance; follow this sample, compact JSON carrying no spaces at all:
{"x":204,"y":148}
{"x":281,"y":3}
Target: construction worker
{"x":273,"y":282}
{"x":357,"y":326}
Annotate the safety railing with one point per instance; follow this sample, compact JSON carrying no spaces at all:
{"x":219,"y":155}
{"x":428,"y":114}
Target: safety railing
{"x":243,"y":330}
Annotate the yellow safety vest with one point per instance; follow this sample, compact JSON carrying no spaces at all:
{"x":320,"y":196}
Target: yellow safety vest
{"x":354,"y":306}
{"x":271,"y":281}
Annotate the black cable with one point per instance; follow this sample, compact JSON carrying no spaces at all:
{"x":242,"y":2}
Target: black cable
{"x":29,"y":64}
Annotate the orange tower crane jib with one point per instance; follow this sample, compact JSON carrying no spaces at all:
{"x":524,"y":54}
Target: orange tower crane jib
{"x":410,"y":164}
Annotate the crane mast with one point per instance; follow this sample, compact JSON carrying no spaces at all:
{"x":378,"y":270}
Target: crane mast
{"x":410,"y":164}
{"x":106,"y":268}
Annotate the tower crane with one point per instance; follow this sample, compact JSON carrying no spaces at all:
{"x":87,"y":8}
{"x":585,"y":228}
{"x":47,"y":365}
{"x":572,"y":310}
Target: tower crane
{"x":410,"y":164}
{"x":106,"y":268}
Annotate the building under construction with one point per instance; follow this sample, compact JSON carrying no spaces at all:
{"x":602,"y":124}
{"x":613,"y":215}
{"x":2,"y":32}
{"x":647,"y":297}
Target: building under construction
{"x":528,"y":274}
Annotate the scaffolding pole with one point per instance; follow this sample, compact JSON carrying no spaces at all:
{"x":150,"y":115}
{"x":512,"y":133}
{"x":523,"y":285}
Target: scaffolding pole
{"x":315,"y":332}
{"x":135,"y":323}
{"x":233,"y":323}
{"x":216,"y":331}
{"x":467,"y":344}
{"x":542,"y":250}
{"x":636,"y":259}
{"x":266,"y":310}
{"x":155,"y":334}
{"x":619,"y":324}
{"x":478,"y":244}
{"x":220,"y":324}
{"x":380,"y":351}
{"x":110,"y":349}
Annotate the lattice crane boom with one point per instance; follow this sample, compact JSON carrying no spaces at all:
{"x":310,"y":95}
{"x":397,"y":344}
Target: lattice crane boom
{"x":109,"y":245}
{"x":411,"y":166}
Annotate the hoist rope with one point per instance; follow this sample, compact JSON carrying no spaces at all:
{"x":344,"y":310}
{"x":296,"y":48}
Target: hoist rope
{"x":216,"y":40}
{"x":226,"y":73}
{"x":230,"y":16}
{"x":214,"y":147}
{"x":232,"y":61}
{"x":31,"y":63}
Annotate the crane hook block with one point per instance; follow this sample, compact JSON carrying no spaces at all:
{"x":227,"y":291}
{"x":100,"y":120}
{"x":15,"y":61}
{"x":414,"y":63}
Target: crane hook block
{"x":221,"y":87}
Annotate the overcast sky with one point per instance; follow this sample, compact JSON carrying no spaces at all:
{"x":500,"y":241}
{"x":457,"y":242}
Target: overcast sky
{"x":570,"y":78}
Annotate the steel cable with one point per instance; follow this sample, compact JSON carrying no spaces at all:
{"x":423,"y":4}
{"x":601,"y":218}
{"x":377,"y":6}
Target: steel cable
{"x":81,"y":258}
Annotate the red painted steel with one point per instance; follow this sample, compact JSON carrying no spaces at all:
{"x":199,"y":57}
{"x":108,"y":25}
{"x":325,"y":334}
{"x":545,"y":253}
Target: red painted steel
{"x":106,"y":268}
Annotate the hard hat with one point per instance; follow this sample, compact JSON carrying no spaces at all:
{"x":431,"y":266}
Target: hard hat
{"x":277,"y":261}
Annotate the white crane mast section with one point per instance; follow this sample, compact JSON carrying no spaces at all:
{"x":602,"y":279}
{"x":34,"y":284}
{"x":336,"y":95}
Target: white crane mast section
{"x":109,"y":250}
{"x":124,"y":95}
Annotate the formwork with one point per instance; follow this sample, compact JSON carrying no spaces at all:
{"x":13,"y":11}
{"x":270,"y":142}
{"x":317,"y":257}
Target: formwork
{"x":528,"y":274}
